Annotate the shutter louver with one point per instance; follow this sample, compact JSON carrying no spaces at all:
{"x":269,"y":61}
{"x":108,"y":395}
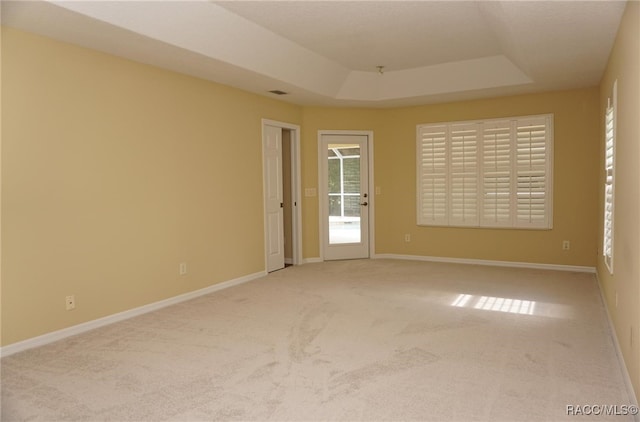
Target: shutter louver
{"x":496,"y":176}
{"x":463,"y":172}
{"x":432,"y":207}
{"x":492,"y":173}
{"x":531,"y":168}
{"x":607,"y":249}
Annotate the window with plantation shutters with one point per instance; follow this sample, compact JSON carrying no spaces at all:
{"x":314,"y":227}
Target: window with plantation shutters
{"x":496,"y":175}
{"x":432,"y":160}
{"x":463,"y":175}
{"x":609,"y":163}
{"x":531,"y":173}
{"x":491,"y":173}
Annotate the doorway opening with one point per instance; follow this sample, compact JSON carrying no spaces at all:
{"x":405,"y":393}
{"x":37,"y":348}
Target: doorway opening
{"x":281,"y":183}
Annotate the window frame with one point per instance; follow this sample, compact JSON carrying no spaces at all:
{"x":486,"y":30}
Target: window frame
{"x":539,"y":174}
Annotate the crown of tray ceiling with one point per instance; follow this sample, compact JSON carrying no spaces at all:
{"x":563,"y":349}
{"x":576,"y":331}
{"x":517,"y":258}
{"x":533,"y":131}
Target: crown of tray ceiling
{"x":329,"y":52}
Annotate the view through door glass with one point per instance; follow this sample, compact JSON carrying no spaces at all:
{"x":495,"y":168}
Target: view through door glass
{"x":344,"y":193}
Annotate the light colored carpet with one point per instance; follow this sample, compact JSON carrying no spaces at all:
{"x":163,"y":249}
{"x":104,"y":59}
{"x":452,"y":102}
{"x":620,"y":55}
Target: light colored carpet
{"x":350,"y":340}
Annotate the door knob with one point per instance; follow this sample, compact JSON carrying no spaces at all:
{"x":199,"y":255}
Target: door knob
{"x":364,"y":204}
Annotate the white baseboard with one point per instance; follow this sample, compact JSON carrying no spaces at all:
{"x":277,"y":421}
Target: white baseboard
{"x":532,"y":265}
{"x":311,"y":260}
{"x":616,"y":344}
{"x":110,"y":319}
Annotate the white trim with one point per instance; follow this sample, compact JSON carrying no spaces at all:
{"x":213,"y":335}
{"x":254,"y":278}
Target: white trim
{"x":322,"y":213}
{"x":616,"y":344}
{"x":312,"y":260}
{"x":296,"y":195}
{"x":121,"y":316}
{"x":514,"y":264}
{"x":296,"y":183}
{"x":372,"y":195}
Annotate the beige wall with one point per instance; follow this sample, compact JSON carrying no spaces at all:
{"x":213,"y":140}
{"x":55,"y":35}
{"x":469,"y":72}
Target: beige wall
{"x":1,"y":189}
{"x":113,"y":173}
{"x":624,"y":66}
{"x":322,"y":118}
{"x":574,"y":195}
{"x":575,"y":179}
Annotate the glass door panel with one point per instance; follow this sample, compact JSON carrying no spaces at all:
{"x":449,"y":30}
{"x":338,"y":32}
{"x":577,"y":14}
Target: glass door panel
{"x":344,"y":193}
{"x":344,"y":175}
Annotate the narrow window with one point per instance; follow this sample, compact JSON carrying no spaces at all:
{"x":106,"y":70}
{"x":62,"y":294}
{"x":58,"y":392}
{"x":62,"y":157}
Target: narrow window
{"x":609,"y":183}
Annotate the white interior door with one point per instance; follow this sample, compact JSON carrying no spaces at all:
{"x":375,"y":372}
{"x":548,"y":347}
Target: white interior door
{"x":344,"y":196}
{"x":273,"y":197}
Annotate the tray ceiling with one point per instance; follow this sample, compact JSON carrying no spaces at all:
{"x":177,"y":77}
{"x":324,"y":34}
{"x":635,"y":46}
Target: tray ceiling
{"x":328,"y":52}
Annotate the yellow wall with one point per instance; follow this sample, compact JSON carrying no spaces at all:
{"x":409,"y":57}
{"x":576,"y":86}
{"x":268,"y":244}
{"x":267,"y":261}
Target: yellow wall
{"x":574,"y":196}
{"x":575,"y":179}
{"x":113,"y":173}
{"x":624,"y":66}
{"x":314,"y":120}
{"x":1,"y":189}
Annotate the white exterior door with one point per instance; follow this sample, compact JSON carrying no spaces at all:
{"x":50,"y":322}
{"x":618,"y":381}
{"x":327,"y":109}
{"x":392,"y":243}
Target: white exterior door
{"x":345,"y":198}
{"x":272,"y":144}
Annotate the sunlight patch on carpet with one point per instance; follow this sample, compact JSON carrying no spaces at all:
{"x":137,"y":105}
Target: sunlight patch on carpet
{"x":498,"y":304}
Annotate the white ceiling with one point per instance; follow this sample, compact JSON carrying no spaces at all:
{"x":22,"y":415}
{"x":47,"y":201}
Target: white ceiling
{"x":326,"y":52}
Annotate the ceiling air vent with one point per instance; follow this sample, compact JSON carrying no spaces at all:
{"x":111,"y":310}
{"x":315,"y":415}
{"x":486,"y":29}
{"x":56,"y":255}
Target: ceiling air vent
{"x":278,"y":92}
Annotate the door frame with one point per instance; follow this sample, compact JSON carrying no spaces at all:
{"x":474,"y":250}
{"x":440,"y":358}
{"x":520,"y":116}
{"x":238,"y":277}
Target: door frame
{"x":296,"y":204}
{"x":322,"y":191}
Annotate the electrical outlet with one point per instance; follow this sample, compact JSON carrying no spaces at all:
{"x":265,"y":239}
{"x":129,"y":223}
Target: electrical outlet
{"x":182,"y":268}
{"x":407,"y":237}
{"x":70,"y":302}
{"x":566,"y":245}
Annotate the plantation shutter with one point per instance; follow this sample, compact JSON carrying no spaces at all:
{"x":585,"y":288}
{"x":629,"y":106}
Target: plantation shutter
{"x":463,"y":175}
{"x":432,"y":175}
{"x":608,"y":187}
{"x":496,"y":177}
{"x":531,"y":173}
{"x":491,"y":173}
